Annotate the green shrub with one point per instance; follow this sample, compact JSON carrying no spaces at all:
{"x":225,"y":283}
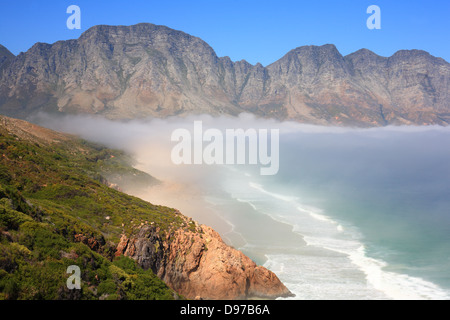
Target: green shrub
{"x":107,"y":287}
{"x":51,"y":195}
{"x":42,"y":240}
{"x":11,"y":289}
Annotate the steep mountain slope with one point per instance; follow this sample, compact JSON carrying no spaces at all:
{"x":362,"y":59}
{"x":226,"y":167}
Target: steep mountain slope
{"x":5,"y":54}
{"x":56,"y":210}
{"x":147,"y":70}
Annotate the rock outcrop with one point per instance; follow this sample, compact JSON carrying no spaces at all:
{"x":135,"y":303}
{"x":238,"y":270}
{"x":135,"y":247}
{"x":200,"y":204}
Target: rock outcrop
{"x":145,"y":70}
{"x":198,"y":264}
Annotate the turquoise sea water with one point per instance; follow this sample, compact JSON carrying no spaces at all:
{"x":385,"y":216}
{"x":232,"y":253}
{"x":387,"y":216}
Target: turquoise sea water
{"x":371,"y":212}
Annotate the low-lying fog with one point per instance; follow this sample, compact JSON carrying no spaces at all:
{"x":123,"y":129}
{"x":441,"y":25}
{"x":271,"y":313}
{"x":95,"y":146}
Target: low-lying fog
{"x":392,"y":184}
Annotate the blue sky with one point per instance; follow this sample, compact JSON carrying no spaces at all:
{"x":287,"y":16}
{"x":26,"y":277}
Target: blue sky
{"x":257,"y":31}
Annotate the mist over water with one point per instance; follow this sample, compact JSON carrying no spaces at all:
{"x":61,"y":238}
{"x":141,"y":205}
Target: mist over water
{"x":351,"y":214}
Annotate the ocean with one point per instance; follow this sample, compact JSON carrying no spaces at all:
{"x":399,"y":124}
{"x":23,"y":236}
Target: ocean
{"x":351,"y":214}
{"x":371,"y":209}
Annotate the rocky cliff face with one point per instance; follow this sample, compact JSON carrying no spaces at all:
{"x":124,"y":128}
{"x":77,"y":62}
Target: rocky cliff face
{"x":147,"y":70}
{"x":198,"y":264}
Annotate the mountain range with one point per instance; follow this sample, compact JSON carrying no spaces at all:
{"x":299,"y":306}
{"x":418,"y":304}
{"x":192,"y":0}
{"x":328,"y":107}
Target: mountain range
{"x":146,"y":70}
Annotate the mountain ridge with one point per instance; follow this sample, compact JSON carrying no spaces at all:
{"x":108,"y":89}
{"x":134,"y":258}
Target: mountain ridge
{"x":145,"y":70}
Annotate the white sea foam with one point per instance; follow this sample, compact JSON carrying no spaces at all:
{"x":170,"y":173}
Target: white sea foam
{"x":395,"y":285}
{"x":318,"y":216}
{"x":275,"y":195}
{"x":326,"y":233}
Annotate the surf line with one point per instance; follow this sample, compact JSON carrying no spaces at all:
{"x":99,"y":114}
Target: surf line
{"x":227,"y":148}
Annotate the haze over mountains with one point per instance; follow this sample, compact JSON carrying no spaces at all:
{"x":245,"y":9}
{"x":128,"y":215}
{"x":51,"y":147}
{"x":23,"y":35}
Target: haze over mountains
{"x":125,"y":72}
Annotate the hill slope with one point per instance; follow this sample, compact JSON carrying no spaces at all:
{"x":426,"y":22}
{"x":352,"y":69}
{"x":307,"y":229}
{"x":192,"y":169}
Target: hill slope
{"x":56,"y":210}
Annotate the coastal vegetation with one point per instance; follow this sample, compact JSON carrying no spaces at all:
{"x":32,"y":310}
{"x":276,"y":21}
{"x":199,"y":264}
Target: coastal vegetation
{"x":57,"y":210}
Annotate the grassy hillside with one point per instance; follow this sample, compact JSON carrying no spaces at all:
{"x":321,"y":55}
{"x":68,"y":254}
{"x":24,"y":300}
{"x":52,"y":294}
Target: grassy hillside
{"x":56,"y":210}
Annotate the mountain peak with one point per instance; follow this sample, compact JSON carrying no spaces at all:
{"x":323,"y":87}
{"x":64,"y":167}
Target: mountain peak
{"x":315,"y":49}
{"x":4,"y":51}
{"x":364,"y":58}
{"x":416,"y":54}
{"x":5,"y":54}
{"x":323,"y":52}
{"x":144,"y":31}
{"x":363,"y":52}
{"x":310,"y":61}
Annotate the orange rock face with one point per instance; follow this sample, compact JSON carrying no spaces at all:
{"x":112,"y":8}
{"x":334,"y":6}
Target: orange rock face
{"x":201,"y":265}
{"x":92,"y":242}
